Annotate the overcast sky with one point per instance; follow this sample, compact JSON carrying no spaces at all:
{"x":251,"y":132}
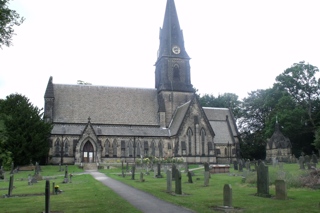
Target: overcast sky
{"x":236,"y":46}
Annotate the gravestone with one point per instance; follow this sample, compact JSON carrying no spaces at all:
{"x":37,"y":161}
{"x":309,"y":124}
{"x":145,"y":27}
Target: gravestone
{"x":53,"y":187}
{"x":178,"y":189}
{"x":174,"y":171}
{"x":301,"y":162}
{"x":206,"y":167}
{"x":169,"y":181}
{"x":263,"y":180}
{"x":159,"y":171}
{"x":29,"y":180}
{"x":133,"y":172}
{"x":206,"y":178}
{"x":240,"y":167}
{"x":190,"y":177}
{"x":10,"y":185}
{"x":314,"y":158}
{"x":66,"y":179}
{"x":248,"y":165}
{"x":186,"y":170}
{"x":141,"y":177}
{"x":235,"y":165}
{"x":227,"y":195}
{"x":281,"y":190}
{"x":307,"y":159}
{"x":47,"y":197}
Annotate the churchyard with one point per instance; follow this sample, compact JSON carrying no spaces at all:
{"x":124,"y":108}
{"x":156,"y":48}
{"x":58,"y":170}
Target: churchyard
{"x":82,"y":193}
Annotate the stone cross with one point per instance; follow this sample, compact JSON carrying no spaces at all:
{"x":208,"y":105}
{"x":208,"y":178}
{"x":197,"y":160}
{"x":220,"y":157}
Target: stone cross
{"x":169,"y":181}
{"x":281,"y":190}
{"x":227,"y":195}
{"x":178,"y":189}
{"x":263,"y":180}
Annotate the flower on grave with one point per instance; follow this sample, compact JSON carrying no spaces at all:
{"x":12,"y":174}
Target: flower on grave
{"x":56,"y":186}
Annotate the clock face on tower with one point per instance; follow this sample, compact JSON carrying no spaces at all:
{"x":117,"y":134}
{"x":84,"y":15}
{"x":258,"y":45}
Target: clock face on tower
{"x":176,"y":49}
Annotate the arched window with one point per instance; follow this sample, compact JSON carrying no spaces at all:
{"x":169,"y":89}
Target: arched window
{"x":203,"y":138}
{"x":176,"y":72}
{"x":189,"y":133}
{"x":114,"y":148}
{"x":107,"y":145}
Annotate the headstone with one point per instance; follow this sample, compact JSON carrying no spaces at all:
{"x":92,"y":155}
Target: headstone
{"x":281,"y":190}
{"x":66,"y":179}
{"x":227,"y":195}
{"x":29,"y":180}
{"x":178,"y":189}
{"x":235,"y":165}
{"x":190,"y":177}
{"x":141,"y":177}
{"x":169,"y":181}
{"x":159,"y":171}
{"x":314,"y":158}
{"x":206,"y":167}
{"x":10,"y":185}
{"x":133,"y":172}
{"x":47,"y":197}
{"x":53,"y":188}
{"x":307,"y":159}
{"x":301,"y":162}
{"x":174,"y":171}
{"x":308,"y":165}
{"x":263,"y":180}
{"x":60,"y":167}
{"x":206,"y":178}
{"x":240,"y":167}
{"x":248,"y":165}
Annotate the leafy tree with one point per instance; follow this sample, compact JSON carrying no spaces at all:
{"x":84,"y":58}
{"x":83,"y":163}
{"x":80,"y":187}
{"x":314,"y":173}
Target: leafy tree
{"x":26,"y":132}
{"x":300,"y":82}
{"x":5,"y":156}
{"x":316,"y":142}
{"x":226,"y":100}
{"x":8,"y":19}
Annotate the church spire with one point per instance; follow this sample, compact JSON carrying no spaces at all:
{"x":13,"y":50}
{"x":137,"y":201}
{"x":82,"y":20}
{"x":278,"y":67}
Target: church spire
{"x":172,"y":66}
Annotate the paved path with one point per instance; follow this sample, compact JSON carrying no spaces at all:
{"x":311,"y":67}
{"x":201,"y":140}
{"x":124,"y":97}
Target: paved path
{"x":141,"y":200}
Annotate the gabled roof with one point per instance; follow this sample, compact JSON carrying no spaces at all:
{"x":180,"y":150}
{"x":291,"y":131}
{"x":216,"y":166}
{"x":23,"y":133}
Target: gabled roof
{"x":105,"y":105}
{"x":222,"y":123}
{"x":178,"y":117}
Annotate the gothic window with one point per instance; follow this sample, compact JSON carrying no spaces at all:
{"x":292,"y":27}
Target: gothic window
{"x":130,"y":149}
{"x":153,"y":149}
{"x":203,"y":137}
{"x":123,"y":148}
{"x":176,"y":72}
{"x":146,"y":148}
{"x":225,"y":151}
{"x":138,"y":149}
{"x":189,"y":133}
{"x":107,"y":145}
{"x":66,"y":147}
{"x":57,"y":147}
{"x":160,"y":150}
{"x":183,"y":148}
{"x":114,"y":146}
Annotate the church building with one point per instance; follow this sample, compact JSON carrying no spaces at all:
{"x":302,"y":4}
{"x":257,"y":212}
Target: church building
{"x":101,"y":124}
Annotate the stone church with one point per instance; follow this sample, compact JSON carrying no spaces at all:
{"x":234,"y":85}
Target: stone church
{"x":101,"y":124}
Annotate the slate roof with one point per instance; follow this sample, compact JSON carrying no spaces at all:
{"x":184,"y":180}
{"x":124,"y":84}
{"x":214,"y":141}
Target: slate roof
{"x":225,"y":129}
{"x":178,"y":118}
{"x":105,"y":105}
{"x":278,"y":140}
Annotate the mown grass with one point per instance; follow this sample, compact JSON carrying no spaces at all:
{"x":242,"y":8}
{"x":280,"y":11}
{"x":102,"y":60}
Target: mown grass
{"x":204,"y":199}
{"x":84,"y":194}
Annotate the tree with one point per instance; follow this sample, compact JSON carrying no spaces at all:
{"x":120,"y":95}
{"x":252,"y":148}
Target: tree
{"x":8,"y":19}
{"x":26,"y":132}
{"x":300,"y":82}
{"x":5,"y":155}
{"x":316,"y":141}
{"x":226,"y":100}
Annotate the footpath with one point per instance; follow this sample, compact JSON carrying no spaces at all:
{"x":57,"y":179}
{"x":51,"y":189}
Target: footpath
{"x":141,"y":200}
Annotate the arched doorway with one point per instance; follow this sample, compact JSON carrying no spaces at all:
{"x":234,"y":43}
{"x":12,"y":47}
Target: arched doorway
{"x":88,"y":153}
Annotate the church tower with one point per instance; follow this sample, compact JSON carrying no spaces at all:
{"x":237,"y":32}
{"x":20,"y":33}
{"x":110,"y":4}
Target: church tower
{"x":172,"y":75}
{"x":172,"y":66}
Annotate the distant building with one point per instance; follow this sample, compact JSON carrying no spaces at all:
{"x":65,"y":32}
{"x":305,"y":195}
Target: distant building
{"x":278,"y":146}
{"x":99,"y":124}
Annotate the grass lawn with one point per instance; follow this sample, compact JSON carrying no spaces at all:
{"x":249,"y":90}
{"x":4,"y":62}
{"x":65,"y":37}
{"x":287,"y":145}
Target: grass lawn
{"x":202,"y":199}
{"x":85,"y":194}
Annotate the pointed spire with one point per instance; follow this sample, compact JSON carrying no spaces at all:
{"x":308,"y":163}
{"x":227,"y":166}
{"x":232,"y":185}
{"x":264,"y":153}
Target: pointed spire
{"x":49,"y":91}
{"x":171,"y":36}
